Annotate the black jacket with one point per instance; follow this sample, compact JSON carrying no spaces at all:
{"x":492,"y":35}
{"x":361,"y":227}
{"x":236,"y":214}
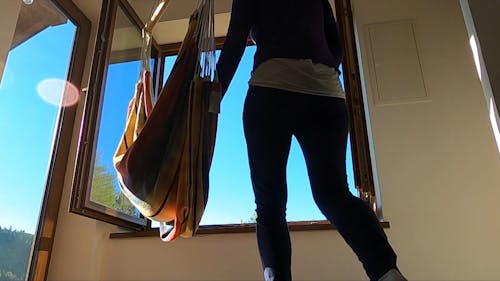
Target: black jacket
{"x":301,"y":29}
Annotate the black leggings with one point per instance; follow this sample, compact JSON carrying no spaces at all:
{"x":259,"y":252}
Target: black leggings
{"x":320,"y":125}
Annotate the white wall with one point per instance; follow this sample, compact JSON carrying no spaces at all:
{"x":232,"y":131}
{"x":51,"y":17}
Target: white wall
{"x":437,"y":161}
{"x":437,"y":166}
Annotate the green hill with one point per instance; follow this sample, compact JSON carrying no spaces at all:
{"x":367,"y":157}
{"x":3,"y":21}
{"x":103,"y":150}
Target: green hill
{"x":15,"y":247}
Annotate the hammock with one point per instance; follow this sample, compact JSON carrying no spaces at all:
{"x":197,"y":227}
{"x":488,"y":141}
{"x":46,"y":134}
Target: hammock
{"x":164,"y":156}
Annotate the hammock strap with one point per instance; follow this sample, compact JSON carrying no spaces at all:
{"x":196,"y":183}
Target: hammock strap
{"x":206,"y":44}
{"x":147,"y":42}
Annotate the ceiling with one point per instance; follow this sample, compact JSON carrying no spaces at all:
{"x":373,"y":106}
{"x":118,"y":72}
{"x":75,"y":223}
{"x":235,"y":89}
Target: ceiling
{"x":177,"y":9}
{"x":42,"y":14}
{"x":173,"y":24}
{"x":35,"y":18}
{"x":171,"y":28}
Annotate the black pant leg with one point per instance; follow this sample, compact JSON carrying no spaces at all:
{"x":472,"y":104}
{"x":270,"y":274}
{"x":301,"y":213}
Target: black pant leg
{"x":322,"y":134}
{"x":268,"y":142}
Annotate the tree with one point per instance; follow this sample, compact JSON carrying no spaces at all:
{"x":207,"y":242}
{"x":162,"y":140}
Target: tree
{"x":105,"y":190}
{"x":14,"y":254}
{"x":253,"y":218}
{"x":8,"y":276}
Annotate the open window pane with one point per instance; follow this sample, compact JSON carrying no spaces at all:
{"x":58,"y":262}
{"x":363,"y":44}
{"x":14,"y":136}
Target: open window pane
{"x":34,"y":90}
{"x":122,"y":75}
{"x":105,"y":190}
{"x":115,"y":72}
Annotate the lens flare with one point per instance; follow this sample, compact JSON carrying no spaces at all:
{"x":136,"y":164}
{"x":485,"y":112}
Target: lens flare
{"x":58,"y":92}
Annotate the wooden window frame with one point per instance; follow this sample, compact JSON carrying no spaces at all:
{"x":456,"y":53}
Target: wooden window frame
{"x":46,"y":228}
{"x":363,"y":171}
{"x":88,"y":137}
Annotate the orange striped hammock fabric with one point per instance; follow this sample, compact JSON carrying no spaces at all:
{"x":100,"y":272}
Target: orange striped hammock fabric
{"x":163,"y":158}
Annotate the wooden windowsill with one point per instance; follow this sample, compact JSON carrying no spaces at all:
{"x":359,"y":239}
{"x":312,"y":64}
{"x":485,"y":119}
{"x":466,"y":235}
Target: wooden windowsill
{"x":236,"y":228}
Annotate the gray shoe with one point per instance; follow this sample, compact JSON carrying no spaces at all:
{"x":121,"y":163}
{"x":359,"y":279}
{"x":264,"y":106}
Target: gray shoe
{"x":269,"y":274}
{"x":393,"y":275}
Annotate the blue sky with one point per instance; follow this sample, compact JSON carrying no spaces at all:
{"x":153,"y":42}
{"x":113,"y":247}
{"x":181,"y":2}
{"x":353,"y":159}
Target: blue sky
{"x":27,"y":122}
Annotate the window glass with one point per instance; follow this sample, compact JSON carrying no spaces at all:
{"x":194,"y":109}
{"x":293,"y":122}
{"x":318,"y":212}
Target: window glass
{"x":122,"y":75}
{"x":115,"y":72}
{"x":120,"y":85}
{"x":33,"y":90}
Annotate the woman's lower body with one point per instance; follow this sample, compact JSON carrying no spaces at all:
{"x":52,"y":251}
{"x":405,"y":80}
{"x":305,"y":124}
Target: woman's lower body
{"x":320,"y":124}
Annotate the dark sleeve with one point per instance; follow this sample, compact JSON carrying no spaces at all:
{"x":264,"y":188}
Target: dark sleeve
{"x":242,"y":14}
{"x":332,"y":33}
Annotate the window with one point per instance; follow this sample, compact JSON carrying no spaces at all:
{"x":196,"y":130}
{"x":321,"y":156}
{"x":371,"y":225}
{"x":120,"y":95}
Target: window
{"x":39,"y":91}
{"x":96,"y":193}
{"x":229,"y":175}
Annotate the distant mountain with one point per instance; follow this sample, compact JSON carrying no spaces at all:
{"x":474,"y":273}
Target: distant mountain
{"x":15,"y":248}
